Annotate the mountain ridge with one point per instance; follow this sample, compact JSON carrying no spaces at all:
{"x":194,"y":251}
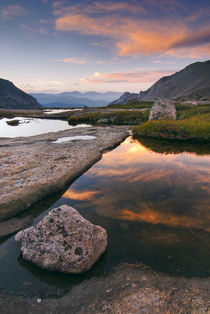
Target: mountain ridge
{"x":76,"y":99}
{"x":192,"y":82}
{"x":11,"y":97}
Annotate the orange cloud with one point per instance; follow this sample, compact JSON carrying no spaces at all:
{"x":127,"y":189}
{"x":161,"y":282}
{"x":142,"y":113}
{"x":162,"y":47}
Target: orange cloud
{"x":12,"y":11}
{"x":74,"y":60}
{"x":127,"y":77}
{"x":133,"y":35}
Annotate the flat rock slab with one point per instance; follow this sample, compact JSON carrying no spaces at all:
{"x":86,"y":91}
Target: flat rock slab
{"x":63,"y":241}
{"x":32,"y":168}
{"x":128,"y":289}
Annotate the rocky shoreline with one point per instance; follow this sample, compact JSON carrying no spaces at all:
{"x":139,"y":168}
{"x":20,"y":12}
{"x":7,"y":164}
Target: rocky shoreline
{"x":33,"y":168}
{"x":127,"y":289}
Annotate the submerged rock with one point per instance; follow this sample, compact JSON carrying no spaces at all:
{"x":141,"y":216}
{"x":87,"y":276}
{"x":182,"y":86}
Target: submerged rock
{"x":163,"y":110}
{"x":13,"y":122}
{"x":63,"y":241}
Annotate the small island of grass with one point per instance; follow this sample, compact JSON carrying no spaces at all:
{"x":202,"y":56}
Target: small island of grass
{"x":193,"y":124}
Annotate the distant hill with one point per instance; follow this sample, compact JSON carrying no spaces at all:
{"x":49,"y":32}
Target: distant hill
{"x":125,"y":98}
{"x":75,"y":99}
{"x":12,"y":97}
{"x":193,"y":82}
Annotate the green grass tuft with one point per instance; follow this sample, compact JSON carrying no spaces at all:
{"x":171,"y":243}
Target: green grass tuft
{"x":116,"y":118}
{"x":132,"y":104}
{"x":189,"y":111}
{"x":195,"y":128}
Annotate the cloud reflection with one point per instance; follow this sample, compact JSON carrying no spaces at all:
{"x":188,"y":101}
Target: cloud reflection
{"x":80,"y":195}
{"x":136,"y":184}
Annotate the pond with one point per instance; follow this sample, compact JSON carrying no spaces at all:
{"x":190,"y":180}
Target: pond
{"x":152,"y":198}
{"x":32,"y":126}
{"x":52,"y":111}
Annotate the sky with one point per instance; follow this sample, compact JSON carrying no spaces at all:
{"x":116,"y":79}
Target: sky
{"x":64,"y":45}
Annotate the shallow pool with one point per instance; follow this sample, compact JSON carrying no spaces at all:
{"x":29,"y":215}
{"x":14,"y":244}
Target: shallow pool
{"x":152,"y":198}
{"x":31,"y":127}
{"x":52,"y":111}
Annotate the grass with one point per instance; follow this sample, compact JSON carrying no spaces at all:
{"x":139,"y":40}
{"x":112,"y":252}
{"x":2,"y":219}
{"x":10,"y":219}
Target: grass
{"x":132,"y":104}
{"x":189,"y":111}
{"x":116,"y":118}
{"x":195,"y":128}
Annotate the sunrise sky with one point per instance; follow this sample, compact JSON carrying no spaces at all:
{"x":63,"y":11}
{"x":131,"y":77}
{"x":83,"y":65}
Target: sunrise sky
{"x":56,"y":46}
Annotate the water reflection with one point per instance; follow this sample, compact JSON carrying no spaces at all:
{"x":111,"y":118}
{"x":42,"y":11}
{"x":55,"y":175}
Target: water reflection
{"x":31,"y":127}
{"x":52,"y":111}
{"x":174,"y":147}
{"x":155,"y":208}
{"x":139,"y":185}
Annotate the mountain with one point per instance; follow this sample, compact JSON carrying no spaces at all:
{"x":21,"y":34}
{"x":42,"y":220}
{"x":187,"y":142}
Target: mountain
{"x":75,"y":99}
{"x":12,"y":97}
{"x":192,"y":82}
{"x":124,"y":98}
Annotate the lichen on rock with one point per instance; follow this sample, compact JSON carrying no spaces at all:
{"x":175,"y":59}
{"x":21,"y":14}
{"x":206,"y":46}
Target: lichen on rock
{"x":63,"y":241}
{"x":162,"y":110}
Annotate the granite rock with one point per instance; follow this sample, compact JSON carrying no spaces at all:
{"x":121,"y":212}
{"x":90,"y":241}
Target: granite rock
{"x":63,"y":241}
{"x":162,"y":110}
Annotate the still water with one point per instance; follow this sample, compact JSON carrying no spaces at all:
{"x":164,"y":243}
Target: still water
{"x":52,"y":111}
{"x":31,"y":127}
{"x":153,"y":199}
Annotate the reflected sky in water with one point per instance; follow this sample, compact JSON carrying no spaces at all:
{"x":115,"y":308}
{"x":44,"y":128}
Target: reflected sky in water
{"x":133,"y":183}
{"x":31,"y":127}
{"x":154,"y":206}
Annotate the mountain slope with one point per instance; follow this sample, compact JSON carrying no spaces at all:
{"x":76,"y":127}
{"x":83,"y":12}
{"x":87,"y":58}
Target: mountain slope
{"x":76,"y":99}
{"x":192,"y":82}
{"x":12,"y":97}
{"x":124,"y":98}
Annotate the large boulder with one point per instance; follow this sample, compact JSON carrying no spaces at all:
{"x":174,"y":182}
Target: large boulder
{"x":63,"y":241}
{"x":162,"y":110}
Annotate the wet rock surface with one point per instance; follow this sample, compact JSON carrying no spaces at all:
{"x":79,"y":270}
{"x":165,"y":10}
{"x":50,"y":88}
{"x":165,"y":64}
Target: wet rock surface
{"x":128,"y":289}
{"x":63,"y":241}
{"x":33,"y":168}
{"x":163,"y":110}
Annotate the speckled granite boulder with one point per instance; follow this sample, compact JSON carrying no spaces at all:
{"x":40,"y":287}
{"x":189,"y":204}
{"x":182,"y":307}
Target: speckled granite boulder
{"x":162,"y":110}
{"x":63,"y":241}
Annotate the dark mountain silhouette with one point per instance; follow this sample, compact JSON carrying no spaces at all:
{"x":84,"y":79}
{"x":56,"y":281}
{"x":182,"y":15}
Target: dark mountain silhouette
{"x":12,"y":97}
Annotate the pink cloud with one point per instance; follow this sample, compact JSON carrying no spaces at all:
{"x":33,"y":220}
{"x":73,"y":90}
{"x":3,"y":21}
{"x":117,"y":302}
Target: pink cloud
{"x":43,"y":31}
{"x":140,"y":76}
{"x":74,"y":60}
{"x":12,"y":11}
{"x":133,"y":35}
